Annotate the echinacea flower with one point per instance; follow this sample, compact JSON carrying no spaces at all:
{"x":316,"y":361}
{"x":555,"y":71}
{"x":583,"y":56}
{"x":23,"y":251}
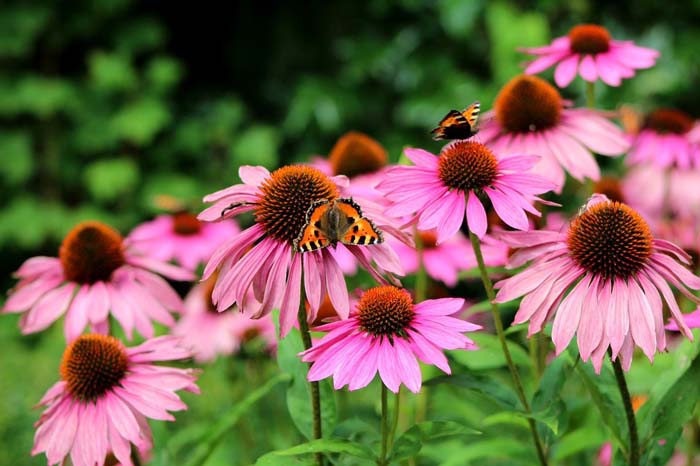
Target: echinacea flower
{"x":446,"y":260}
{"x":385,"y":334}
{"x":95,"y":275}
{"x":665,"y":140}
{"x":530,"y":117}
{"x":602,"y":280}
{"x":663,"y":193}
{"x":589,"y":50}
{"x":105,"y":396}
{"x":444,"y":190}
{"x":181,"y":237}
{"x":209,"y":333}
{"x":262,"y":257}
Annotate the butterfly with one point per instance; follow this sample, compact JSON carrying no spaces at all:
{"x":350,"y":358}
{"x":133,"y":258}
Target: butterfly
{"x":458,"y":125}
{"x":331,"y":222}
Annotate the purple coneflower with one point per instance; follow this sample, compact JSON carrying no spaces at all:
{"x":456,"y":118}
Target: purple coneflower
{"x":95,"y":274}
{"x":530,"y":117}
{"x":385,"y":334}
{"x":602,"y":280}
{"x":665,"y":140}
{"x":261,"y":258}
{"x":443,"y":190}
{"x":105,"y":396}
{"x":589,"y":49}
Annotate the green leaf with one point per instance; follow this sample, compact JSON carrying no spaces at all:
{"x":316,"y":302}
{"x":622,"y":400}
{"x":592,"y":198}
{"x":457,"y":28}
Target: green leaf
{"x":163,"y":73}
{"x":490,"y":353}
{"x":257,"y":145}
{"x":579,"y":440}
{"x":19,"y":27}
{"x":343,"y":447}
{"x":111,"y":72}
{"x":106,"y":180}
{"x":458,"y":17}
{"x":299,"y":392}
{"x":229,"y":419}
{"x":487,"y":386}
{"x":495,"y":448}
{"x":604,"y":392}
{"x":547,"y":405}
{"x":671,"y":412}
{"x":36,"y":95}
{"x":16,"y":160}
{"x":140,"y":121}
{"x":411,"y":441}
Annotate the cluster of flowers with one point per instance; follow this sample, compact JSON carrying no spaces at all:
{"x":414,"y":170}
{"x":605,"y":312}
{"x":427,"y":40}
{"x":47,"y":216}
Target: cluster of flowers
{"x":604,"y":276}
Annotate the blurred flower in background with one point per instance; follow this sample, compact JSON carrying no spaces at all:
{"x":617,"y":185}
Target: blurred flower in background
{"x":96,"y":275}
{"x":590,"y":50}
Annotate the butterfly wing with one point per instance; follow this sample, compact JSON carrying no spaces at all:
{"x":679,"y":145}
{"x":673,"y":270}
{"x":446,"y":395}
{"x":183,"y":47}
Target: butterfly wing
{"x":312,"y":235}
{"x":360,"y":230}
{"x":471,"y":114}
{"x":453,"y":119}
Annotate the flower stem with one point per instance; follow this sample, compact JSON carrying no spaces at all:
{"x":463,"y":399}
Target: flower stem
{"x":382,"y":460}
{"x":629,"y":411}
{"x":315,"y":392}
{"x":590,"y":94}
{"x":395,"y":417}
{"x":488,"y":286}
{"x":421,"y":274}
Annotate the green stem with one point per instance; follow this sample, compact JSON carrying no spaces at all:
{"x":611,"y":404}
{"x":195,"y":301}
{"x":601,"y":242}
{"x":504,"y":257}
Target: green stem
{"x":629,"y":411}
{"x":590,"y":94}
{"x":488,"y":286}
{"x":395,"y":417}
{"x":382,"y":460}
{"x":315,"y":392}
{"x":421,"y":274}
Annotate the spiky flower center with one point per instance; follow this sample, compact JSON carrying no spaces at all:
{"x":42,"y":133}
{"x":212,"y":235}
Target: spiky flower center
{"x":666,"y":120}
{"x":385,"y":311}
{"x":90,"y":252}
{"x":356,"y":154}
{"x":610,"y":187}
{"x":467,"y":166}
{"x":286,"y":197}
{"x":526,"y":104}
{"x":92,"y":365}
{"x":186,"y":224}
{"x":610,"y":240}
{"x":589,"y":38}
{"x":428,"y":239}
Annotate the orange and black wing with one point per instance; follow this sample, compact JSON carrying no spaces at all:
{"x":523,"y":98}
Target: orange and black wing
{"x":458,"y":125}
{"x":360,"y":231}
{"x":312,"y":237}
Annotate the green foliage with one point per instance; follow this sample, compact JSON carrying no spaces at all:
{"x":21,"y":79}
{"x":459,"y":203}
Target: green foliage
{"x":109,"y":179}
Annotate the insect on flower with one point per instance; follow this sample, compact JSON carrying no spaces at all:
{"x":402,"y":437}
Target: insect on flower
{"x":458,"y":125}
{"x":330,"y":222}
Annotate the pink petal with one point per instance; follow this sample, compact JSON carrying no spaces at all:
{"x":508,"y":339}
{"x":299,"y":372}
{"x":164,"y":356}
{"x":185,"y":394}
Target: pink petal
{"x":587,"y":68}
{"x":568,"y":315}
{"x":335,"y":284}
{"x":421,"y":158}
{"x":566,"y":71}
{"x":252,"y":175}
{"x":476,"y":216}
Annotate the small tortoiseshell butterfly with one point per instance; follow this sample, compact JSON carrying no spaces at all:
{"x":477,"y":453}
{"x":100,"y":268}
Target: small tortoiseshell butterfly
{"x":331,"y":222}
{"x":458,"y":125}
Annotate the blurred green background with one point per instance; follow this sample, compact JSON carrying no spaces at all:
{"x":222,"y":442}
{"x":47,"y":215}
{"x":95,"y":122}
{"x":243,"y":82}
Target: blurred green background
{"x":104,"y":105}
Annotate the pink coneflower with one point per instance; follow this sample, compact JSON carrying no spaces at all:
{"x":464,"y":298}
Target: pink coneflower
{"x":603,"y":279}
{"x":658,"y":193}
{"x":386,"y":333}
{"x":209,"y":333}
{"x":181,"y":237}
{"x":591,"y":51}
{"x":105,"y":396}
{"x":262,"y":256}
{"x":95,"y":274}
{"x":692,"y":320}
{"x":444,"y":261}
{"x":529,"y":116}
{"x":665,"y":140}
{"x":443,"y":190}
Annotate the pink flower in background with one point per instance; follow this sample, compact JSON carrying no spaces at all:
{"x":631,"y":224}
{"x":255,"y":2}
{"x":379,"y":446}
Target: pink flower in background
{"x":530,"y":117}
{"x":181,"y":237}
{"x":105,"y":396}
{"x":603,"y":279}
{"x":385,"y":334}
{"x":95,"y":274}
{"x":209,"y":333}
{"x":589,"y":50}
{"x":444,"y":190}
{"x":659,"y":193}
{"x":666,"y":140}
{"x":691,"y":320}
{"x":261,"y":258}
{"x":445,"y":261}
